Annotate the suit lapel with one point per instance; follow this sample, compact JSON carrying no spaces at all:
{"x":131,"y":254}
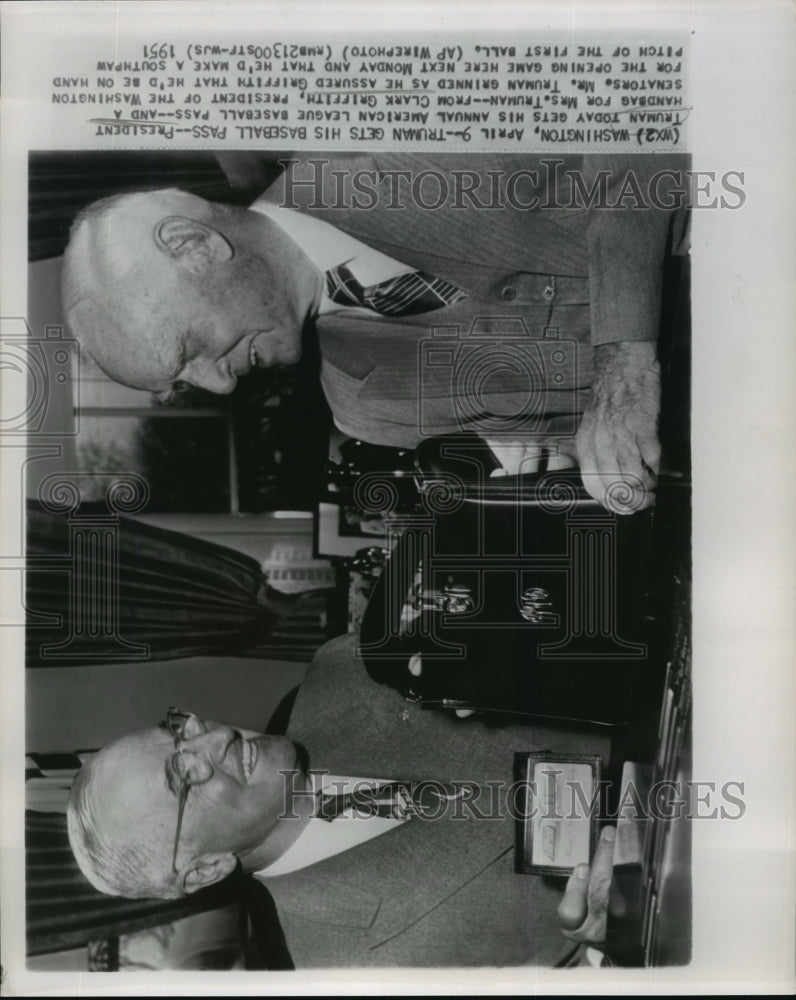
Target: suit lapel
{"x":504,"y":236}
{"x":380,"y":351}
{"x":390,"y":738}
{"x":393,"y":357}
{"x":350,"y":725}
{"x":322,"y":896}
{"x":443,"y":855}
{"x":367,"y":886}
{"x":476,"y":249}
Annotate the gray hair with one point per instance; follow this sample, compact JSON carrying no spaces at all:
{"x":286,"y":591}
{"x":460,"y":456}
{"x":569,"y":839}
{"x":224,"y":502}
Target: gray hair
{"x":134,"y":870}
{"x":109,"y":252}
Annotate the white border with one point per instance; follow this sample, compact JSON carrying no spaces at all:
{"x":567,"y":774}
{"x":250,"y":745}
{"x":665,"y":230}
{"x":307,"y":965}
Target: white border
{"x":742,"y":89}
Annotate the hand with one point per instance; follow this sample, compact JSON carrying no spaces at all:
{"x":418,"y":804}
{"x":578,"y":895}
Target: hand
{"x":518,"y":456}
{"x":416,"y":668}
{"x":583,"y":911}
{"x":617,"y":441}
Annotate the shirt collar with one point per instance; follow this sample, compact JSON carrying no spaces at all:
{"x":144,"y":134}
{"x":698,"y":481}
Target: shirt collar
{"x":327,"y":246}
{"x":321,"y":839}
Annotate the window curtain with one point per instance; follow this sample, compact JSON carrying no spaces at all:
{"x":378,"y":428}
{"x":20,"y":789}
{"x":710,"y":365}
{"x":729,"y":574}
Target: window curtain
{"x":103,"y":588}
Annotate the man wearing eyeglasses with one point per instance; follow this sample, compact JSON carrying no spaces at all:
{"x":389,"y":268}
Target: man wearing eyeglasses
{"x":173,"y":809}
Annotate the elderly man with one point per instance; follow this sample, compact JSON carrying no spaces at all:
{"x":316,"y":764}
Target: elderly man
{"x":526,"y":308}
{"x":170,"y":810}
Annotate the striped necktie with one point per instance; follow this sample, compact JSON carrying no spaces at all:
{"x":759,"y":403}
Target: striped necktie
{"x":393,"y":800}
{"x":409,"y":293}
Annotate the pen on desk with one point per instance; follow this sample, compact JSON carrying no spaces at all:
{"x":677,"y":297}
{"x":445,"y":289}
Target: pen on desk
{"x":445,"y":703}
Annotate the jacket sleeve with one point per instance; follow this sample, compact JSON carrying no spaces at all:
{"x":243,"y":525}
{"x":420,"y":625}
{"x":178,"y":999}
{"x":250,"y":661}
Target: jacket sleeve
{"x":632,"y":223}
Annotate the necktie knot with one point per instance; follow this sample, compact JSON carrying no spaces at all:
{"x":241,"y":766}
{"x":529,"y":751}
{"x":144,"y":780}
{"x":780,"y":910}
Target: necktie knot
{"x":407,"y":294}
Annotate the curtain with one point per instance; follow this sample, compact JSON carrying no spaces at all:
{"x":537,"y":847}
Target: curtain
{"x":298,"y":634}
{"x":65,"y":911}
{"x":103,"y":588}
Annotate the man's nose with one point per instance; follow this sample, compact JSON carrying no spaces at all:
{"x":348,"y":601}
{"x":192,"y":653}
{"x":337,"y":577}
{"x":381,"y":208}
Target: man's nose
{"x":214,"y":376}
{"x":213,"y":742}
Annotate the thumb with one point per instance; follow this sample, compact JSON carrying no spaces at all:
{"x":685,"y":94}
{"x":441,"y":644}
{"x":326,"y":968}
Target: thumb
{"x":650,"y":448}
{"x":574,"y":905}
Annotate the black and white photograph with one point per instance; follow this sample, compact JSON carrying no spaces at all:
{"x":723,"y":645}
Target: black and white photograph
{"x":371,"y":614}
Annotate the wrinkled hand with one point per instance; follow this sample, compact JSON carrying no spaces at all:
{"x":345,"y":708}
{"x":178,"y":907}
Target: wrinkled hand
{"x":617,"y":441}
{"x":583,"y":911}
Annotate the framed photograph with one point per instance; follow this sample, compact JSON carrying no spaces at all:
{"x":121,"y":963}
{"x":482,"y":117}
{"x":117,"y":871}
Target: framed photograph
{"x":558,"y":806}
{"x":340,"y":534}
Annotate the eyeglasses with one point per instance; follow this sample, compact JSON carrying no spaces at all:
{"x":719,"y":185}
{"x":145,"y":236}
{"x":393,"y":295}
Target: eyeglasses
{"x":190,"y":768}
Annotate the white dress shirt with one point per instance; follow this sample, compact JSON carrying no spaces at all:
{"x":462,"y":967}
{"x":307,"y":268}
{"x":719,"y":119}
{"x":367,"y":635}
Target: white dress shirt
{"x":321,"y":839}
{"x":326,"y":246}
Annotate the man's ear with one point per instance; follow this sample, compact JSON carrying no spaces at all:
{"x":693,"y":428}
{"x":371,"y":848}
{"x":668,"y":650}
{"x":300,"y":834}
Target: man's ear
{"x":191,"y":243}
{"x":207,"y":870}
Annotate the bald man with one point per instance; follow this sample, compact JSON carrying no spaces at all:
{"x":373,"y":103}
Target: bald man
{"x":551,"y":316}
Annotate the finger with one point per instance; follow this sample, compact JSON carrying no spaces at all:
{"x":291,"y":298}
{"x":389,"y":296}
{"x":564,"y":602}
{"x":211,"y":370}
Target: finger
{"x":613,"y":487}
{"x":516,"y":457}
{"x":626,"y":493}
{"x":650,"y":448}
{"x":627,"y":484}
{"x":416,"y":664}
{"x":629,"y":493}
{"x":595,"y":485}
{"x":573,"y":908}
{"x":530,"y":461}
{"x":596,"y":460}
{"x":588,"y":469}
{"x":601,"y":487}
{"x":562,"y":452}
{"x":587,"y":894}
{"x":563,"y":461}
{"x":632,"y":466}
{"x":602,"y":868}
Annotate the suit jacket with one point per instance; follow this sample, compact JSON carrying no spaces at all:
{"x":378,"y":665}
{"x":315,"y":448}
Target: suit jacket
{"x":544,"y":286}
{"x":429,"y":892}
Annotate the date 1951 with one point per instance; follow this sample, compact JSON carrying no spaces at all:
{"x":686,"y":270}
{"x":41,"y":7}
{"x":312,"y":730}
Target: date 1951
{"x":158,"y":50}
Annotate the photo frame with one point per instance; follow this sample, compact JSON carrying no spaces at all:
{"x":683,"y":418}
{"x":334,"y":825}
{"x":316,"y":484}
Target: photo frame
{"x":558,"y":802}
